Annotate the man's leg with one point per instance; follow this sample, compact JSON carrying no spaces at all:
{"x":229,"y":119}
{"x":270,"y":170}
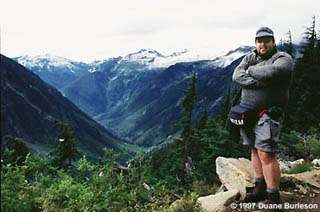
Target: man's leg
{"x":272,"y":175}
{"x":256,"y":163}
{"x":271,"y":169}
{"x":259,"y":191}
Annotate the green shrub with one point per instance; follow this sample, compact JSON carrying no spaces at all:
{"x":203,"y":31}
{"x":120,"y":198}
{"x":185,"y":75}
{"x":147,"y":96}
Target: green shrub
{"x":301,"y":146}
{"x":299,"y":168}
{"x":288,"y":183}
{"x":17,"y":194}
{"x":186,"y":204}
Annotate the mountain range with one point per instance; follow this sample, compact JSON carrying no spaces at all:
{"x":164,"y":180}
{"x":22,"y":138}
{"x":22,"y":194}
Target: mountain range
{"x":30,"y":106}
{"x":137,"y":97}
{"x":59,"y":71}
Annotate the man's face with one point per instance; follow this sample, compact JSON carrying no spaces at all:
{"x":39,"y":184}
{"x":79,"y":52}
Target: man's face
{"x":264,"y":45}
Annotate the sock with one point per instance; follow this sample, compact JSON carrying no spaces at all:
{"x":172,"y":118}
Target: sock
{"x":271,"y":190}
{"x":259,"y":180}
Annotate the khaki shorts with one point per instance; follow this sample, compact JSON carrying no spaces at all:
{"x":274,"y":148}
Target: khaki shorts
{"x":264,"y":135}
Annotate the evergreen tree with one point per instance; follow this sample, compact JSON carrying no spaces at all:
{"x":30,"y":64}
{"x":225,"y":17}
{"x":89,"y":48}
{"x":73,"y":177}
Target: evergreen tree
{"x":202,"y":122}
{"x":225,"y":108}
{"x":305,"y":89}
{"x":287,"y":44}
{"x":66,"y":151}
{"x":311,"y":35}
{"x":185,"y":124}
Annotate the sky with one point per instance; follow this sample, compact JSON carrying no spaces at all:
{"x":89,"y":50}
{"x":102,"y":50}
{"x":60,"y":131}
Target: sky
{"x":88,"y":30}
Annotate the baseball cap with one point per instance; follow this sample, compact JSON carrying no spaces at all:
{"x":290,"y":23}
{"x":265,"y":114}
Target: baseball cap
{"x":264,"y":32}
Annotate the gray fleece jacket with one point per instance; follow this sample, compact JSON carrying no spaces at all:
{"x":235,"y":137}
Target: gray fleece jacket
{"x":267,"y":82}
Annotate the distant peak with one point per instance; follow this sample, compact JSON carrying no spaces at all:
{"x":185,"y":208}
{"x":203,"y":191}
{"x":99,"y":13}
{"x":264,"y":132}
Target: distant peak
{"x":179,"y":53}
{"x":146,"y":52}
{"x":241,"y":49}
{"x":144,"y":56}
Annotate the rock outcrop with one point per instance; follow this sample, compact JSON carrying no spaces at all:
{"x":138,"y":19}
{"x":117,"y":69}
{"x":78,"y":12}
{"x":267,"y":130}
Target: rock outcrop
{"x":287,"y":165}
{"x":237,"y":175}
{"x":316,"y":163}
{"x":218,"y":202}
{"x":311,"y":177}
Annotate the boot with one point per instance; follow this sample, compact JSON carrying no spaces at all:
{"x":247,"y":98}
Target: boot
{"x":258,"y":193}
{"x":273,"y":203}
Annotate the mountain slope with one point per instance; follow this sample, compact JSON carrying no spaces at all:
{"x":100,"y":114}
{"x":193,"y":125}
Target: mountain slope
{"x":149,"y":116}
{"x":29,"y":107}
{"x":57,"y":71}
{"x":141,"y":104}
{"x":137,"y":96}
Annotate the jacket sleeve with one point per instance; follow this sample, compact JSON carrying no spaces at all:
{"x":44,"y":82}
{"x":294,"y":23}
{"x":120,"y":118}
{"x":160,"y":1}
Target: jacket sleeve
{"x":241,"y":77}
{"x":281,"y":67}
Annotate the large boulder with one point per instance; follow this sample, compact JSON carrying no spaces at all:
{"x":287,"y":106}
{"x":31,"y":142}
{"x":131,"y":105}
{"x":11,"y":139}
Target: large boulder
{"x":219,"y":201}
{"x":235,"y":173}
{"x":311,"y":177}
{"x":316,"y":162}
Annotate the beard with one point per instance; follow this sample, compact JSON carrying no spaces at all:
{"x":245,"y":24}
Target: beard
{"x":268,"y":53}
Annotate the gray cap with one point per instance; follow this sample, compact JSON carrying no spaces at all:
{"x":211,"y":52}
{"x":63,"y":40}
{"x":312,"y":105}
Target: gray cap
{"x":264,"y":32}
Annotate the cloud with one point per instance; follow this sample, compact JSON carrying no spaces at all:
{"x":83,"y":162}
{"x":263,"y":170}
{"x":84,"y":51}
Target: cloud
{"x":89,"y":30}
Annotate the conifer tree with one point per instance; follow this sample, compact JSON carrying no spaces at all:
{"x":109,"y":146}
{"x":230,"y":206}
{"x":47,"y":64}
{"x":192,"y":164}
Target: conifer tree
{"x":202,"y":122}
{"x":287,"y":45}
{"x":305,"y":89}
{"x":66,"y":151}
{"x":311,"y":35}
{"x":185,"y":124}
{"x":225,"y":108}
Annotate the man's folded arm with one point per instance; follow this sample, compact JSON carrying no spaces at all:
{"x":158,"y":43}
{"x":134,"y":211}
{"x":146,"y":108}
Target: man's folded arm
{"x":241,"y":77}
{"x":268,"y":73}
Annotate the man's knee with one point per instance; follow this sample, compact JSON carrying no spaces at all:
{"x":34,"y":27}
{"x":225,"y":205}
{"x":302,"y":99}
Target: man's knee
{"x":254,"y":150}
{"x":266,"y":157}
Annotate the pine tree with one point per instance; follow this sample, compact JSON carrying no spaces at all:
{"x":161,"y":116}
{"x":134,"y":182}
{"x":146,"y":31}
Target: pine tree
{"x":202,"y":122}
{"x":185,"y":124}
{"x":225,"y":108}
{"x":66,"y":151}
{"x":287,"y":45}
{"x":311,"y":35}
{"x":305,"y":90}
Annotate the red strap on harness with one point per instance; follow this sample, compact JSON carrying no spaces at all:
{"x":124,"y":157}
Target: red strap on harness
{"x":262,"y":112}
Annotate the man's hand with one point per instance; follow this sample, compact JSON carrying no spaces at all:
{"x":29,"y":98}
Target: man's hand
{"x":259,"y":83}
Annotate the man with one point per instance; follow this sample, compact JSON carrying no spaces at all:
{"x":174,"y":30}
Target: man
{"x":264,"y":76}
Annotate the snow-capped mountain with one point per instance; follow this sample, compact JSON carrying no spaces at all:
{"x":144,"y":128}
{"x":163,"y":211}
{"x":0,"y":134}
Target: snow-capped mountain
{"x":128,"y":94}
{"x":138,"y":92}
{"x":55,"y":70}
{"x":50,"y":63}
{"x":144,"y":58}
{"x":232,"y":55}
{"x":153,"y":59}
{"x":32,"y":106}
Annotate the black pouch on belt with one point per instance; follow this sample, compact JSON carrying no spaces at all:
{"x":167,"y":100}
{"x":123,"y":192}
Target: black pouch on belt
{"x":242,"y":116}
{"x":239,"y":117}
